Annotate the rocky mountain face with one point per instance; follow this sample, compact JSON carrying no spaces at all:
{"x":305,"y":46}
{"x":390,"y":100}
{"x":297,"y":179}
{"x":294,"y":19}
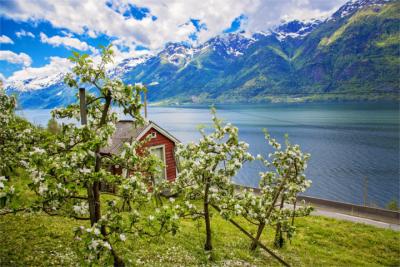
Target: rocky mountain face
{"x":352,"y":55}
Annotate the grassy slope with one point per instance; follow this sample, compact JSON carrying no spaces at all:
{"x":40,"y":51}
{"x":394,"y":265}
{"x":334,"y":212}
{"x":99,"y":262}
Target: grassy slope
{"x":42,"y":240}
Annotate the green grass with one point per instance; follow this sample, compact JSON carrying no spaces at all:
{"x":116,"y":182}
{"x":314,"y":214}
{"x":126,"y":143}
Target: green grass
{"x":41,"y":240}
{"x":389,"y":12}
{"x":389,"y":40}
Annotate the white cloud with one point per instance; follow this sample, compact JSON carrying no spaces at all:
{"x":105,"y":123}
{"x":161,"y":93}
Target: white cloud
{"x":14,"y":58}
{"x":67,"y":41}
{"x":5,"y":40}
{"x":36,"y":78}
{"x":94,"y":17}
{"x":273,"y":12}
{"x":23,"y":33}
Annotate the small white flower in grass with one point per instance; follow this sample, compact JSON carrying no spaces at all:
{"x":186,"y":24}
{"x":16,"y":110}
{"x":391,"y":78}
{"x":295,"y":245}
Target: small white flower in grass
{"x":107,"y":245}
{"x":43,"y":188}
{"x":24,"y":163}
{"x":38,"y":150}
{"x":172,"y":200}
{"x":1,"y":185}
{"x":84,"y":170}
{"x":96,"y":231}
{"x":122,"y":237}
{"x":151,"y":217}
{"x":94,"y":244}
{"x":12,"y":189}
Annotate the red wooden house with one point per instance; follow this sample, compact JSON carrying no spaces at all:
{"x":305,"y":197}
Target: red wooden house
{"x":161,"y":143}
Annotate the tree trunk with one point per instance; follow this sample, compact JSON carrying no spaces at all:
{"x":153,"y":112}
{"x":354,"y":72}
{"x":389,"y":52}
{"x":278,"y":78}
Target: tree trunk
{"x":253,"y":245}
{"x":269,"y":211}
{"x":97,"y":167}
{"x":91,"y":202}
{"x":294,"y":210}
{"x":118,"y":262}
{"x":279,"y":241}
{"x":207,"y":245}
{"x":94,"y":189}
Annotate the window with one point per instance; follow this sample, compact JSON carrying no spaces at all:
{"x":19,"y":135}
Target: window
{"x":159,"y":151}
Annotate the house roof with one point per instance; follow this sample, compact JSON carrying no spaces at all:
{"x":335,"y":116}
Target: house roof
{"x":126,"y":131}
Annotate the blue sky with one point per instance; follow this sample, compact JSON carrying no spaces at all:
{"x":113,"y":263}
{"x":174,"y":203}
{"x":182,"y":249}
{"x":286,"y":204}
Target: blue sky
{"x":39,"y":34}
{"x":38,"y":51}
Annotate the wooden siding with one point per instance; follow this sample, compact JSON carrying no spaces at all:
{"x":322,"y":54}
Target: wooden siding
{"x":160,"y":139}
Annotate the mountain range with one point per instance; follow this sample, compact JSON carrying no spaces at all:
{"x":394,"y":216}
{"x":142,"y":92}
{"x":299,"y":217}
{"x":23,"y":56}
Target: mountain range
{"x":353,"y":55}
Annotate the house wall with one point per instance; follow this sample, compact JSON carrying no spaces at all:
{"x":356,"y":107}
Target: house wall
{"x":160,"y":139}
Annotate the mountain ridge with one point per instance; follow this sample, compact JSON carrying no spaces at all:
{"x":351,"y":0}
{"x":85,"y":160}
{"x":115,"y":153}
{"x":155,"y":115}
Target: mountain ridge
{"x":352,"y":55}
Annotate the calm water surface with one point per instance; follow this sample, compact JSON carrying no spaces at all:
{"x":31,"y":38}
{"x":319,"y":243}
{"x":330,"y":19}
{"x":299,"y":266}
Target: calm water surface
{"x":351,"y":145}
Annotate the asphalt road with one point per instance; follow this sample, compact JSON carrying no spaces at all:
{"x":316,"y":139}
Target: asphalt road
{"x":341,"y":216}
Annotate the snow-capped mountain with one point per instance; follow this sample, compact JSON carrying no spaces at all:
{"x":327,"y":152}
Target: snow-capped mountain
{"x":178,"y":54}
{"x":296,"y":28}
{"x":353,"y":6}
{"x":232,"y":44}
{"x":252,"y":64}
{"x":35,"y":82}
{"x":127,"y":64}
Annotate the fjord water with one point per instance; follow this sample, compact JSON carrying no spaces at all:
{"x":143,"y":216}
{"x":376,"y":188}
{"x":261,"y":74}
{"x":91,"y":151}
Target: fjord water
{"x":352,"y":146}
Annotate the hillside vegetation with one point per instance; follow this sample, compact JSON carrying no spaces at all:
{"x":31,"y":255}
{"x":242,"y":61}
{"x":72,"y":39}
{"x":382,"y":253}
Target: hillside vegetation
{"x":355,"y":57}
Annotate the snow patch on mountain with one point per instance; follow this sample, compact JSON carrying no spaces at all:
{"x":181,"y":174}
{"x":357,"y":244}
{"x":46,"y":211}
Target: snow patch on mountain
{"x":296,"y":29}
{"x":34,"y":82}
{"x":178,"y":54}
{"x":127,"y":64}
{"x":353,"y":6}
{"x":232,"y":44}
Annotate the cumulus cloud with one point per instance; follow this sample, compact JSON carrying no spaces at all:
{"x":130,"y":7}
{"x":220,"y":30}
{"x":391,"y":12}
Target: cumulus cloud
{"x":152,"y":23}
{"x":38,"y":77}
{"x":23,"y":33}
{"x":15,"y":58}
{"x":5,"y":40}
{"x":273,"y":12}
{"x":66,"y":41}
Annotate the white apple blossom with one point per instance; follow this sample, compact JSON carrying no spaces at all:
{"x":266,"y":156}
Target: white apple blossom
{"x":67,"y":169}
{"x":207,"y":168}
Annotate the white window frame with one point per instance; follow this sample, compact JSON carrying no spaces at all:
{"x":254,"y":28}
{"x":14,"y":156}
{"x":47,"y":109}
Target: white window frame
{"x":164,"y":158}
